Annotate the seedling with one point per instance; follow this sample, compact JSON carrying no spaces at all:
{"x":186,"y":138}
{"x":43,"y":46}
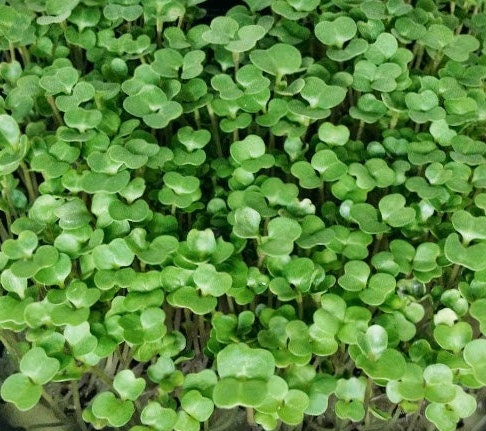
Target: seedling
{"x":256,"y":218}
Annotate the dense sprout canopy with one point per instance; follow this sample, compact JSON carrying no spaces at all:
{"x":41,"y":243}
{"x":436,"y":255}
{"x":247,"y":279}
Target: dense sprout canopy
{"x":271,"y":216}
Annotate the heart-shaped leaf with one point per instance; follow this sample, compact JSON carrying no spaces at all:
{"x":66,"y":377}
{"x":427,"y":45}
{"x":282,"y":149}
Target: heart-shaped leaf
{"x":470,"y":257}
{"x":337,"y":32}
{"x":468,"y":226}
{"x":475,"y":356}
{"x":198,"y":406}
{"x":334,"y":135}
{"x":128,"y":386}
{"x":39,"y":367}
{"x":355,"y":276}
{"x":243,"y":362}
{"x":373,"y":342}
{"x":9,"y":132}
{"x":453,"y":337}
{"x":223,"y":30}
{"x":230,"y":392}
{"x":438,"y":383}
{"x":211,"y":282}
{"x":328,"y":165}
{"x":116,"y":412}
{"x":189,"y":297}
{"x":278,"y":60}
{"x":22,"y":247}
{"x":162,"y":419}
{"x":247,"y":223}
{"x":19,"y":389}
{"x":61,"y":80}
{"x":393,"y":210}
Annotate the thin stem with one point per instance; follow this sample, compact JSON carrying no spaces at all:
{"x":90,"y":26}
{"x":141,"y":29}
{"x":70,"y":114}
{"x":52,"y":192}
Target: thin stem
{"x":215,"y":129}
{"x":416,"y":417}
{"x":57,"y":114}
{"x":271,"y":143}
{"x":322,"y":194}
{"x":28,"y":182}
{"x":368,"y":393}
{"x":394,"y":119}
{"x":261,"y":259}
{"x":378,"y":243}
{"x":419,"y":55}
{"x":231,"y":305}
{"x":159,"y":27}
{"x":53,"y":406}
{"x":24,"y":53}
{"x":12,"y":52}
{"x":359,"y":133}
{"x":77,"y":406}
{"x":10,"y":345}
{"x":454,"y":274}
{"x":127,"y":356}
{"x":177,"y":319}
{"x":8,"y":219}
{"x":98,"y":373}
{"x":436,"y":63}
{"x":202,"y":331}
{"x":236,"y":61}
{"x":300,"y":305}
{"x":8,"y":197}
{"x":4,"y":235}
{"x":250,"y":416}
{"x":197,"y":118}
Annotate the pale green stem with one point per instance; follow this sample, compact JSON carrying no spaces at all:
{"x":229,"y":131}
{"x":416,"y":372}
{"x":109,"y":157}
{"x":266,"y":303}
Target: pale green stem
{"x":215,"y":129}
{"x":53,"y":406}
{"x":360,"y":130}
{"x":202,"y":331}
{"x":419,"y":55}
{"x":10,"y":344}
{"x":300,"y":305}
{"x":12,"y":52}
{"x":24,"y":53}
{"x":98,"y":373}
{"x":394,"y":119}
{"x":250,"y":416}
{"x":77,"y":406}
{"x":454,"y":274}
{"x":197,"y":118}
{"x":55,"y":111}
{"x":236,"y":61}
{"x":28,"y":182}
{"x":159,"y":27}
{"x":322,"y":193}
{"x":4,"y":235}
{"x":177,"y":319}
{"x":368,"y":393}
{"x":231,"y":305}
